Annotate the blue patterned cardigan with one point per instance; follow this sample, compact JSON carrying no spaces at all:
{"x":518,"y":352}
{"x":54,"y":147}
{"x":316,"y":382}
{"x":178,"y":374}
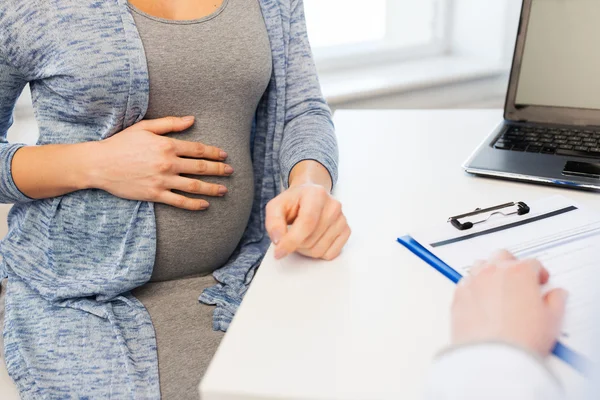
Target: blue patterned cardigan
{"x":72,"y":328}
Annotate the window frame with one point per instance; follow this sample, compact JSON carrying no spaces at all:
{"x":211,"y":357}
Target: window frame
{"x":376,"y":53}
{"x":495,"y":26}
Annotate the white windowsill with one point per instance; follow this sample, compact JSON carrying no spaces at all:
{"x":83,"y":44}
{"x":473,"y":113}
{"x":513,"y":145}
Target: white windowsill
{"x":355,"y":84}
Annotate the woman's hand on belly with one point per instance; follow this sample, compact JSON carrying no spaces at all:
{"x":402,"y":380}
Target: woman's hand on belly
{"x":140,"y":164}
{"x":319,"y":228}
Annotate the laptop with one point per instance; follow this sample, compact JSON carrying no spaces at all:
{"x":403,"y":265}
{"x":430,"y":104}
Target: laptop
{"x":551,"y":128}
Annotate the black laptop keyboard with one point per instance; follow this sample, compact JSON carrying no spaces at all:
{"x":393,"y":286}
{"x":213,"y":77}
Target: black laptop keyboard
{"x":564,"y":142}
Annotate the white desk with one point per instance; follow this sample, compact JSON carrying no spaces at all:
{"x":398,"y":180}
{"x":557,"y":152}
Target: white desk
{"x":367,"y":325}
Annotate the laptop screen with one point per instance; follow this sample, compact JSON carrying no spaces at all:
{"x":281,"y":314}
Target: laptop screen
{"x":561,"y":57}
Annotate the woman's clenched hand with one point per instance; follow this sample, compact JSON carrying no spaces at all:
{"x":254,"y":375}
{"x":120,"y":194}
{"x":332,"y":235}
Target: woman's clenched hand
{"x":140,"y":164}
{"x":318,"y":226}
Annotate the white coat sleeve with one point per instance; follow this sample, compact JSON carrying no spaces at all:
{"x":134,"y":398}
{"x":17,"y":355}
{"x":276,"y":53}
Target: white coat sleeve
{"x":491,"y":371}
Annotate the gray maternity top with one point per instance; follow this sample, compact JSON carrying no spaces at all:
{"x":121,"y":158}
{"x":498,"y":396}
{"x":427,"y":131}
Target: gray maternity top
{"x":216,"y":69}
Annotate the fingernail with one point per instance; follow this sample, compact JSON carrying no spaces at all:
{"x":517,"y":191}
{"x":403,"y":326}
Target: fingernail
{"x":188,"y":118}
{"x":223,"y":154}
{"x":280,"y":253}
{"x":205,"y":205}
{"x":222,"y":190}
{"x":276,"y":237}
{"x":228,"y":169}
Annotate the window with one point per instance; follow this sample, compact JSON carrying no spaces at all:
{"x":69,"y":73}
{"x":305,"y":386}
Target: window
{"x":345,"y":31}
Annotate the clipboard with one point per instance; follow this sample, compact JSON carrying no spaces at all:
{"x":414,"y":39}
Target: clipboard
{"x":467,"y":221}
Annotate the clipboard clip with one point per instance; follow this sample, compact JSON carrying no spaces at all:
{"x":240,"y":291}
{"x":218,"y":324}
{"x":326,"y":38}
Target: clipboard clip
{"x":518,"y":208}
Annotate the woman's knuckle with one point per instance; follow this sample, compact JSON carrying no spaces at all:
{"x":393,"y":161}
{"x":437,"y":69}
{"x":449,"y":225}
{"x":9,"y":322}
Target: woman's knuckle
{"x":200,"y":149}
{"x":202,"y":188}
{"x":194,"y":186}
{"x":311,"y":220}
{"x":154,"y":193}
{"x":201,"y":166}
{"x":164,"y":166}
{"x":213,"y":190}
{"x":156,"y":181}
{"x":336,"y":208}
{"x":310,"y":241}
{"x":166,"y":145}
{"x":181,"y":202}
{"x":171,"y":121}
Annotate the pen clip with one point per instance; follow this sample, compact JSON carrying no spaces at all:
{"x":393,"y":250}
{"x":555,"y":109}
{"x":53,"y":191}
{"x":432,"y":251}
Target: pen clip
{"x":518,"y":208}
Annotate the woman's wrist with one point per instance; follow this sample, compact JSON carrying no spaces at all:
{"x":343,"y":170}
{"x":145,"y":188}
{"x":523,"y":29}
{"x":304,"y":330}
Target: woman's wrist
{"x":94,"y":163}
{"x":76,"y":163}
{"x":310,"y":172}
{"x":89,"y":156}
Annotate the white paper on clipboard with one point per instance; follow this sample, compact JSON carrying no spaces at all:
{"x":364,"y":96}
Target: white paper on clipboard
{"x":562,"y":235}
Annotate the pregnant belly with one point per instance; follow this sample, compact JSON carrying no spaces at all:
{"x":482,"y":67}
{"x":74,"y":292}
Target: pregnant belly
{"x":199,"y":242}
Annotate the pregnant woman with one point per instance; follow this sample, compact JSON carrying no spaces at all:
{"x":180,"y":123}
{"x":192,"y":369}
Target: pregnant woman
{"x":167,"y":129}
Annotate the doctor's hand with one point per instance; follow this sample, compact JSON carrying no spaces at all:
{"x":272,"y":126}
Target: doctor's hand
{"x":502,"y":300}
{"x":318,"y":226}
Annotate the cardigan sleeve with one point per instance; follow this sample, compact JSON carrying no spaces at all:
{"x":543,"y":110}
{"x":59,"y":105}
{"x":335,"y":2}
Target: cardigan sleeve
{"x":309,"y":132}
{"x":11,"y":86}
